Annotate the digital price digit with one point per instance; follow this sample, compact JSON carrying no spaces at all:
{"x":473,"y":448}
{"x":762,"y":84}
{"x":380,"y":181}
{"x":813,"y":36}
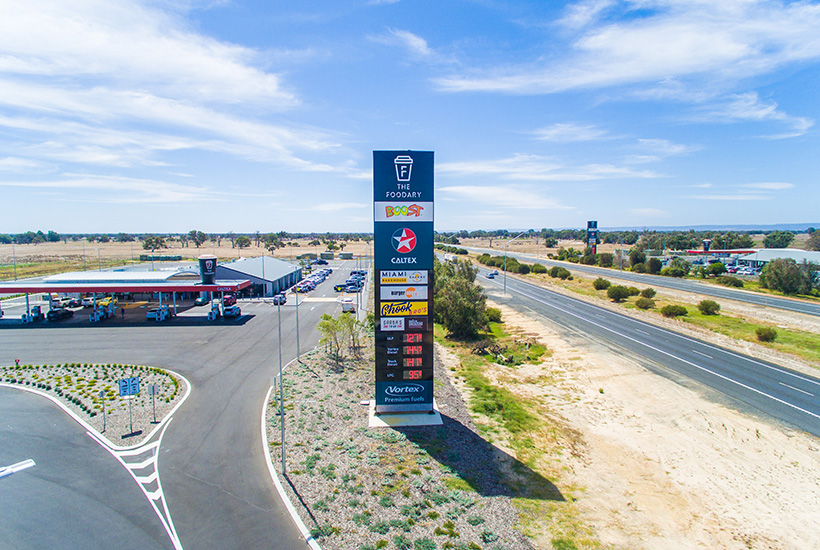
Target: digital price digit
{"x":412,"y":338}
{"x":409,"y":362}
{"x":412,"y":374}
{"x":412,"y":350}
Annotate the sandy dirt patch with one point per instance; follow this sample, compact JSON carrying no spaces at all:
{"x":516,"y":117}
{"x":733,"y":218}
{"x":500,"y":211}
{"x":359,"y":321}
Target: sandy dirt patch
{"x":662,"y":467}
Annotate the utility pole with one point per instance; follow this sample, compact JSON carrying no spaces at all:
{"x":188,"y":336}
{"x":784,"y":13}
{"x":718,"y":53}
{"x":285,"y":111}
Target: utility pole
{"x":505,"y":259}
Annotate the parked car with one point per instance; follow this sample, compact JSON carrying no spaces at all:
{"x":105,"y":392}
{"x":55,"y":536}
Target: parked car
{"x":88,"y":301}
{"x":320,"y":261}
{"x":58,"y":313}
{"x":75,"y":302}
{"x":352,"y":288}
{"x":202,"y":301}
{"x":109,"y":301}
{"x":280,"y":299}
{"x":339,"y":288}
{"x":231,"y":311}
{"x":228,"y":300}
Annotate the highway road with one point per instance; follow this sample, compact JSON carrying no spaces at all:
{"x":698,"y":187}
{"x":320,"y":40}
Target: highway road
{"x":214,"y":475}
{"x":688,"y":285}
{"x":771,"y":389}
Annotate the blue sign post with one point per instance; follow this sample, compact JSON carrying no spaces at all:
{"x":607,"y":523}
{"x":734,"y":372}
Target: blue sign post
{"x":128,"y":388}
{"x":403,"y":243}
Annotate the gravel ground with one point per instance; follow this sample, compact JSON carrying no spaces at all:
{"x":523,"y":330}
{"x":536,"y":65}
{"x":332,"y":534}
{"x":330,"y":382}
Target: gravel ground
{"x":360,"y":488}
{"x":77,"y":386}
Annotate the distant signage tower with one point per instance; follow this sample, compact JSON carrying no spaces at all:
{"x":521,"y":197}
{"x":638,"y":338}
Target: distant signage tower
{"x":403,"y":241}
{"x":592,"y":236}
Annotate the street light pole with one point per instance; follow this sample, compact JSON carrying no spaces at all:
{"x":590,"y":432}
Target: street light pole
{"x":505,"y":259}
{"x":281,"y":391}
{"x":14,"y":255}
{"x":99,"y":261}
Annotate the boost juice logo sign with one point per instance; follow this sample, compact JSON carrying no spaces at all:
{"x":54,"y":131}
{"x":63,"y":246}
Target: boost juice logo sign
{"x":404,"y":212}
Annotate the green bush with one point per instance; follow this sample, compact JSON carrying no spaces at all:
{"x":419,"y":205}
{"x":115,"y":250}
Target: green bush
{"x":639,"y":268}
{"x":538,"y":268}
{"x":673,"y":311}
{"x":644,"y":303}
{"x":709,"y":307}
{"x":601,"y":284}
{"x":617,"y":293}
{"x":730,"y":281}
{"x":654,"y":266}
{"x":648,"y":293}
{"x":523,"y":269}
{"x":493,"y":314}
{"x":766,"y":334}
{"x":634,"y":291}
{"x":673,"y":272}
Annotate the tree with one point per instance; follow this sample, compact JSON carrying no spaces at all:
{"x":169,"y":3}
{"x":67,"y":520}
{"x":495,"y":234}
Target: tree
{"x":617,"y":293}
{"x":785,"y":275}
{"x":242,"y":241}
{"x":654,"y":266}
{"x":53,"y":237}
{"x":460,"y":304}
{"x":104,"y":238}
{"x":550,"y":242}
{"x":778,"y":239}
{"x":636,"y":256}
{"x":814,"y":241}
{"x":709,"y":307}
{"x":197,"y":237}
{"x":124,"y":238}
{"x":153,"y":242}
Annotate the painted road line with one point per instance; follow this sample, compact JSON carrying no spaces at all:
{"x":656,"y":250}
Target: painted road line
{"x":668,"y":354}
{"x":796,"y":389}
{"x":16,"y":467}
{"x":703,"y":354}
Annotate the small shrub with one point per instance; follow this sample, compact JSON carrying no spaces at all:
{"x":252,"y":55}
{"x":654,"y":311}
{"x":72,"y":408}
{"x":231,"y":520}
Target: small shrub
{"x":424,"y":544}
{"x":493,"y":314}
{"x":672,"y":272}
{"x":730,"y":281}
{"x":617,"y":293}
{"x":634,"y":291}
{"x":644,"y":303}
{"x":380,"y":527}
{"x":538,"y":268}
{"x":766,"y":334}
{"x":648,"y":293}
{"x":601,"y":284}
{"x":523,"y":269}
{"x":673,"y":311}
{"x":709,"y":307}
{"x":402,"y":542}
{"x":488,"y":536}
{"x":639,"y":268}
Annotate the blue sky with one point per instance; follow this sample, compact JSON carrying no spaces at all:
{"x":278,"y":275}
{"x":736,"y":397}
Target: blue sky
{"x":242,"y":115}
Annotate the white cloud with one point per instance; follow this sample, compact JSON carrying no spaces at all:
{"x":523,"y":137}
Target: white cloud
{"x":698,"y":44}
{"x":749,"y":106}
{"x":769,"y":186}
{"x":665,"y":147}
{"x":116,"y":190}
{"x":536,"y":168}
{"x":569,"y":132}
{"x":501,"y":195}
{"x":581,"y":14}
{"x":740,"y":197}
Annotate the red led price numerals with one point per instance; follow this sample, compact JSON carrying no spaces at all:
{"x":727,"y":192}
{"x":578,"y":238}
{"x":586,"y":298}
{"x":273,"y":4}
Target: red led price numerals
{"x":412,"y":374}
{"x":412,"y":362}
{"x":412,"y":350}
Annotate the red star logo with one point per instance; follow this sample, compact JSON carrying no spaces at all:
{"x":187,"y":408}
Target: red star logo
{"x":404,"y":240}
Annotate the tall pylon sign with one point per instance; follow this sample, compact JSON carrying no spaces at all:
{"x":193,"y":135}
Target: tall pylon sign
{"x":403,"y":241}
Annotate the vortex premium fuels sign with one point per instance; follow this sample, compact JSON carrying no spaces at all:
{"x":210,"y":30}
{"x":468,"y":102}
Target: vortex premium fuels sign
{"x":403,"y":242}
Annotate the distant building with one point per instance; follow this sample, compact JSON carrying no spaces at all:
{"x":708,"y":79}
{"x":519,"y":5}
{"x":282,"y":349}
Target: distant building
{"x":761,"y":257}
{"x":268,"y":275}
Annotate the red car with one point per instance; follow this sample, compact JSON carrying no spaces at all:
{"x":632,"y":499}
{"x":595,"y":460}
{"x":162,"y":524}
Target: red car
{"x":228,"y":300}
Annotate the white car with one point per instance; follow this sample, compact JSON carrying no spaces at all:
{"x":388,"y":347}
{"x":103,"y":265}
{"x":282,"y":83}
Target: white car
{"x":231,"y":311}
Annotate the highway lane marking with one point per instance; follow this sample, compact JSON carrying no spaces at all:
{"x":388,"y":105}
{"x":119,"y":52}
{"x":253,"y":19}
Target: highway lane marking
{"x":796,"y":389}
{"x":641,"y":331}
{"x":699,"y":353}
{"x":699,"y":367}
{"x":698,"y":342}
{"x":153,"y":495}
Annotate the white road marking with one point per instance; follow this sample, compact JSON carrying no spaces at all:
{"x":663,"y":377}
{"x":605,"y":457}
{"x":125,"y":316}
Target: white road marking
{"x":796,"y":389}
{"x":153,"y":495}
{"x":699,"y":353}
{"x":641,"y":331}
{"x":704,"y":369}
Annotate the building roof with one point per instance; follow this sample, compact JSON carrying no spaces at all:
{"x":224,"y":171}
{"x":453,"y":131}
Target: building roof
{"x":769,"y":254}
{"x":266,"y":268}
{"x":96,"y":277}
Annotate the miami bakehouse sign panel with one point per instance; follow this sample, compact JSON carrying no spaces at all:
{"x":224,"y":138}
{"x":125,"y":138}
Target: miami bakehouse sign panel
{"x":403,"y":243}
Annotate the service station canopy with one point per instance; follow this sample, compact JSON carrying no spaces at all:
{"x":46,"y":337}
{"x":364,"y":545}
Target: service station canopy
{"x":109,"y":287}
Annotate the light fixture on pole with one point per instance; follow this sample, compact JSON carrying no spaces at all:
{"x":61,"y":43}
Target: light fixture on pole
{"x":281,"y":390}
{"x":505,"y":259}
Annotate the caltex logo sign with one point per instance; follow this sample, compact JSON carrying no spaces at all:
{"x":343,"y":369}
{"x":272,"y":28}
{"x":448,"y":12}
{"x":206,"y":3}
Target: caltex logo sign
{"x":404,"y":240}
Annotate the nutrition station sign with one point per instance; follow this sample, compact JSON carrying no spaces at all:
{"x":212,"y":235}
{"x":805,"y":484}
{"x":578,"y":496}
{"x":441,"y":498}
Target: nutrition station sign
{"x":403,"y":242}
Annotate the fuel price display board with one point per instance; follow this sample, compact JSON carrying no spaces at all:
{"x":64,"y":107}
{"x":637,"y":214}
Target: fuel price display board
{"x":403,"y":241}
